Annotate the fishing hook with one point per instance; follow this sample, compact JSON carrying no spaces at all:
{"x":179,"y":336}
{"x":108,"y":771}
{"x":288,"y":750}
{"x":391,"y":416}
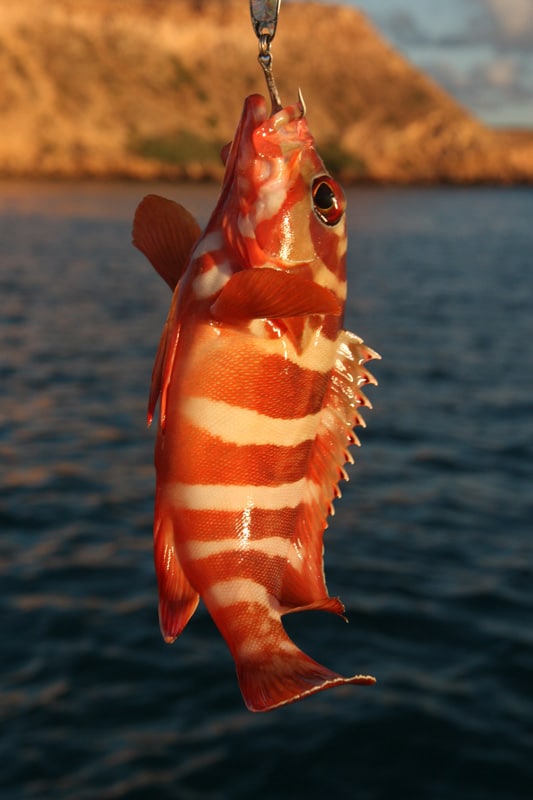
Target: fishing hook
{"x":264,"y":15}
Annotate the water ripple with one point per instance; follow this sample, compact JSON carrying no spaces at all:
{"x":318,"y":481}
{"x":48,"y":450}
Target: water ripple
{"x":430,"y":548}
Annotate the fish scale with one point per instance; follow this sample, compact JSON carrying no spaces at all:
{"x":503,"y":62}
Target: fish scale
{"x":260,"y":388}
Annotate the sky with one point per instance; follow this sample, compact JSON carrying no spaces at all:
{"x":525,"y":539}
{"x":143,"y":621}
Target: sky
{"x":480,"y":51}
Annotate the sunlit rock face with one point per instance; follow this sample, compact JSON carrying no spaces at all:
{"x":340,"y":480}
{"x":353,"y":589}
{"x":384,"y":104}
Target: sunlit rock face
{"x":155,"y":90}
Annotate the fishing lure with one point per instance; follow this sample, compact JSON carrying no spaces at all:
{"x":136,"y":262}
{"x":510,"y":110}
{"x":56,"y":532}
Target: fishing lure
{"x":259,"y":389}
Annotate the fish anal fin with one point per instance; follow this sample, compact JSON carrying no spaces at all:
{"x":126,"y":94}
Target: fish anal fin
{"x":264,"y":292}
{"x":177,"y":599}
{"x":286,"y":674}
{"x":304,"y":583}
{"x":166,"y":233}
{"x":331,"y":604}
{"x":305,"y":590}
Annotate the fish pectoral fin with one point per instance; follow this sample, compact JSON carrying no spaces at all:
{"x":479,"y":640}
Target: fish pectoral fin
{"x":177,"y":599}
{"x":284,"y":675}
{"x":263,"y":292}
{"x":166,"y":233}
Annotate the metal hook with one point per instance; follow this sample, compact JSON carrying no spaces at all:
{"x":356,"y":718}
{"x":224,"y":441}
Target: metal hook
{"x":264,"y":15}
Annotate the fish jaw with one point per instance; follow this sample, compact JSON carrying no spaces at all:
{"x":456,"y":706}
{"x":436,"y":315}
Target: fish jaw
{"x":266,"y":210}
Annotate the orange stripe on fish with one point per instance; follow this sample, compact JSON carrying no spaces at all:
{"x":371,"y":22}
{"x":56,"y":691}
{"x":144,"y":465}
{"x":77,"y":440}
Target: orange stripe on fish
{"x":259,"y":388}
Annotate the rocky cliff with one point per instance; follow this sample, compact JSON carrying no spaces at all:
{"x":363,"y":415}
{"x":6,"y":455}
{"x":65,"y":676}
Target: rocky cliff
{"x":153,"y":88}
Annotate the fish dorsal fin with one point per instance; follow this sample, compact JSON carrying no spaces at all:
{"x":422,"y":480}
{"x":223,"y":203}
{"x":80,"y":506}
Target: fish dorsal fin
{"x":264,"y":292}
{"x":303,"y":581}
{"x":166,"y":233}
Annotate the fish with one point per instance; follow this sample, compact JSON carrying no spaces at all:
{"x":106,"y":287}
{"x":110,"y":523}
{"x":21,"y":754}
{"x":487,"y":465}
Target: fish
{"x":259,"y":389}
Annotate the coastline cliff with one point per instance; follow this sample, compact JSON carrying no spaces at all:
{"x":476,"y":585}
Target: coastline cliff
{"x":148,"y":89}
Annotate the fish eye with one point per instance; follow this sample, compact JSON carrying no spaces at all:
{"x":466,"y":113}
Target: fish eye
{"x":328,"y":200}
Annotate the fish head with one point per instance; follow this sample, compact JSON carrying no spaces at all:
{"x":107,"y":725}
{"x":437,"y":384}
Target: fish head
{"x":279,"y":205}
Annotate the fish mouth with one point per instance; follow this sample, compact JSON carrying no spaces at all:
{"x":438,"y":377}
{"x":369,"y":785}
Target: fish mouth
{"x":253,"y":130}
{"x":264,"y":199}
{"x":255,"y":115}
{"x":284,"y":115}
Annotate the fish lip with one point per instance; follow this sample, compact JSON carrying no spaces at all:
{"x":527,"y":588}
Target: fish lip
{"x":288,"y":114}
{"x":253,"y":115}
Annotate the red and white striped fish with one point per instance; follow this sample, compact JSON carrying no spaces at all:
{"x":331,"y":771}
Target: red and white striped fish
{"x":259,"y":390}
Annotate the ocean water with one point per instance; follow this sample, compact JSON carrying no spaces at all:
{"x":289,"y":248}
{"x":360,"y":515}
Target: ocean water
{"x":431,"y":546}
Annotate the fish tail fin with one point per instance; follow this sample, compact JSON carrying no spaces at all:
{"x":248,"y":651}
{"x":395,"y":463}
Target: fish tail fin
{"x":285,"y":676}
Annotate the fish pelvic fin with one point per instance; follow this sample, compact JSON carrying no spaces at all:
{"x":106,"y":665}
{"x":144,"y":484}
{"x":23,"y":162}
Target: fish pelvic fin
{"x":287,"y":675}
{"x":164,"y":363}
{"x":166,"y":233}
{"x":177,"y":599}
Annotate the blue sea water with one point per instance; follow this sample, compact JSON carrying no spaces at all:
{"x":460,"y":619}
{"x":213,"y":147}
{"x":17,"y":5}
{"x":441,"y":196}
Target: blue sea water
{"x":431,"y":546}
